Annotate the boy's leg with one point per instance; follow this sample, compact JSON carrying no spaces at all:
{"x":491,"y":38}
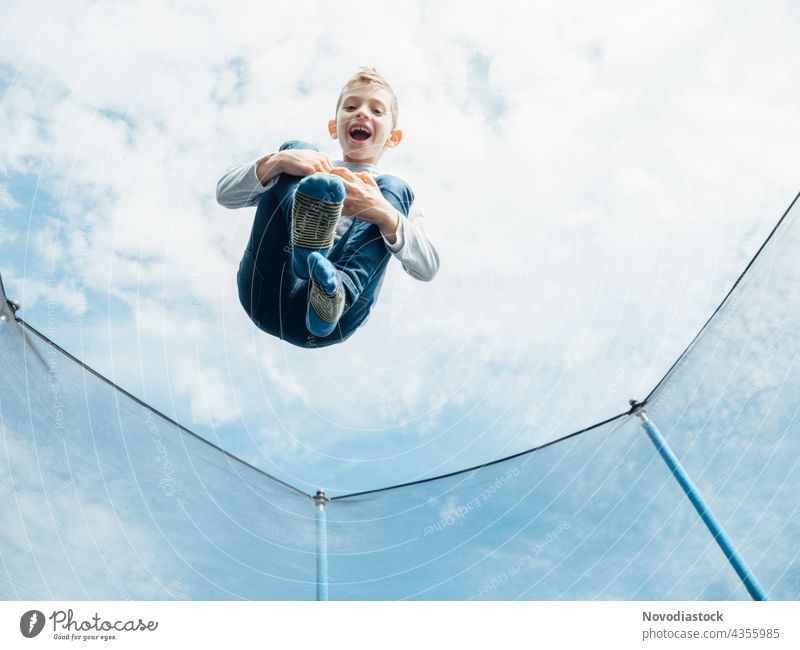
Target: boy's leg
{"x":265,"y":279}
{"x":326,"y":299}
{"x":278,"y":302}
{"x":359,"y":261}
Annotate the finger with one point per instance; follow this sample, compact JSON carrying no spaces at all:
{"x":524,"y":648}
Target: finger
{"x":344,"y":173}
{"x":364,"y":176}
{"x":356,"y":179}
{"x":335,"y":172}
{"x":350,"y":186}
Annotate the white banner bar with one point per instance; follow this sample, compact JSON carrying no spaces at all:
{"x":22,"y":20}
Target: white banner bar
{"x":385,"y":626}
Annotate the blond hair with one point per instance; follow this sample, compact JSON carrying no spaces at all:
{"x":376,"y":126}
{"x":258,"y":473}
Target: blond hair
{"x":369,"y":76}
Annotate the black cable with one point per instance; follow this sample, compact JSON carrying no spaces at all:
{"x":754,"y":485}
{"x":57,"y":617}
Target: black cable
{"x":156,"y":411}
{"x":482,"y":465}
{"x":725,"y":299}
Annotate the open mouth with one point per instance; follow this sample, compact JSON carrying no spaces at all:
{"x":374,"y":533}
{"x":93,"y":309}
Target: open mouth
{"x":360,"y":133}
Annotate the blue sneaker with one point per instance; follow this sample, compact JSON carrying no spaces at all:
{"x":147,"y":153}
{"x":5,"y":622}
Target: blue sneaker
{"x":325,"y":296}
{"x":316,"y":208}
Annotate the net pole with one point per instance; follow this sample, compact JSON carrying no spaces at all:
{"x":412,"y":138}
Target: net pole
{"x":322,"y":545}
{"x":714,"y":526}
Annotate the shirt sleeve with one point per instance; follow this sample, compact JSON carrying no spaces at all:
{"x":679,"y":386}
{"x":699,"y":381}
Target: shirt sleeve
{"x":413,"y":248}
{"x":240,"y":187}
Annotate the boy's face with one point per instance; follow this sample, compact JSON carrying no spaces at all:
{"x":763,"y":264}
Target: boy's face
{"x":363,"y":123}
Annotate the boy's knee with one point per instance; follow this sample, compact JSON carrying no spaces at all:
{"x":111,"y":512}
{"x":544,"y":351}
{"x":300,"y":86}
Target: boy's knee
{"x":297,"y":144}
{"x":398,"y":188}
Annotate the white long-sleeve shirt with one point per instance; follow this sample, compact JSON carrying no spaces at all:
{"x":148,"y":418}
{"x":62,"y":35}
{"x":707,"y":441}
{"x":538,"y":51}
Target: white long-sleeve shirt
{"x":241,"y":188}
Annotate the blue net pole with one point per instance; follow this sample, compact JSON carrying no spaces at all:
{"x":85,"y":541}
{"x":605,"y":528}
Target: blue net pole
{"x":322,"y":546}
{"x":745,"y":574}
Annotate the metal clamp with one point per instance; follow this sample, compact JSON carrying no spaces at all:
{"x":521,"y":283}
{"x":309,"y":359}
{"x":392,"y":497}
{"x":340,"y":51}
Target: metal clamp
{"x":13,"y":306}
{"x":320,"y":499}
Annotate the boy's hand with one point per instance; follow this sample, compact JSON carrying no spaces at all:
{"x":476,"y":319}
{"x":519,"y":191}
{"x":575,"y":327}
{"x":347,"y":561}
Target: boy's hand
{"x":364,"y":201}
{"x":296,"y":162}
{"x":302,"y":162}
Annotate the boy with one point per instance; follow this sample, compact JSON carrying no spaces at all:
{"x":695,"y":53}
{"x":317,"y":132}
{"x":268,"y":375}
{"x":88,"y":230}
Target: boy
{"x":324,"y":231}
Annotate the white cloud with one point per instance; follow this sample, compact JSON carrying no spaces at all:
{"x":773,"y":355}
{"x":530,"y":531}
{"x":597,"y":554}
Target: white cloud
{"x":6,"y":200}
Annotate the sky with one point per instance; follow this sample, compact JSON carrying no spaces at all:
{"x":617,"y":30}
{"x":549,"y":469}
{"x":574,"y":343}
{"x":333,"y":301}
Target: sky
{"x":594,"y":179}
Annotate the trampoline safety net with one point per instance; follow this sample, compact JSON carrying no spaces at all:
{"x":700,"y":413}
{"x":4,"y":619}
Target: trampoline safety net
{"x":104,"y":498}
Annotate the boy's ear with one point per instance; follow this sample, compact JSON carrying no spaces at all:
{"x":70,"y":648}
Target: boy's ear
{"x":332,"y":128}
{"x":394,"y":138}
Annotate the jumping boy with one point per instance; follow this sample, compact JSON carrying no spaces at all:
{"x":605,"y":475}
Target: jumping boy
{"x":324,"y":231}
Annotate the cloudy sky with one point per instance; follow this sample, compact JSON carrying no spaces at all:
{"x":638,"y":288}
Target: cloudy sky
{"x":594,"y":179}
